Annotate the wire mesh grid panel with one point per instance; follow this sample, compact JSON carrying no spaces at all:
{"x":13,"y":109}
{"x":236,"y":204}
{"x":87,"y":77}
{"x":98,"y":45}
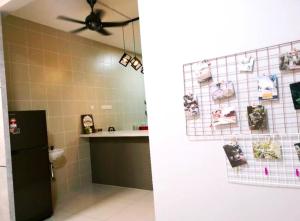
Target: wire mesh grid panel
{"x":282,"y":172}
{"x":282,"y":118}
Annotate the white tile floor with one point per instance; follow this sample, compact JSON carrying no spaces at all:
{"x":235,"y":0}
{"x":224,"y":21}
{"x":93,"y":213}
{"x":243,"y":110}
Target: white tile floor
{"x":106,"y":203}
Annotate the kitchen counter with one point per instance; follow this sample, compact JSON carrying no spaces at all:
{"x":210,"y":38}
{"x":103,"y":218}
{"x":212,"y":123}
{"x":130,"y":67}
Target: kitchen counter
{"x":121,"y":133}
{"x":121,"y":158}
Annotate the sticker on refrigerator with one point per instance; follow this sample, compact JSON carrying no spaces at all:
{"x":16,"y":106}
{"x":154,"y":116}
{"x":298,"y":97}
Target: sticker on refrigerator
{"x":13,"y":127}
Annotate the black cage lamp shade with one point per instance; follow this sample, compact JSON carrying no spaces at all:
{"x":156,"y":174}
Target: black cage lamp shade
{"x":125,"y":59}
{"x":136,"y":63}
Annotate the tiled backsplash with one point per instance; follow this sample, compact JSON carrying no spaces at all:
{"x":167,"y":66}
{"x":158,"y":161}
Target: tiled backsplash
{"x":68,"y":75}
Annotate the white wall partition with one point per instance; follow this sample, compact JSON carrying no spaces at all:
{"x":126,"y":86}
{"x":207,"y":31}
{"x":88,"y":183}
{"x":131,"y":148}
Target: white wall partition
{"x":190,"y":179}
{"x":6,"y":182}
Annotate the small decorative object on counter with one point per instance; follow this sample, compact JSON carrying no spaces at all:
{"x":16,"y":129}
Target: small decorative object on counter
{"x":257,"y":117}
{"x":204,"y":73}
{"x":87,"y":124}
{"x":110,"y":129}
{"x":13,"y":126}
{"x":135,"y":127}
{"x":191,"y":106}
{"x":235,"y":154}
{"x":270,"y":150}
{"x":221,"y":90}
{"x":268,"y":87}
{"x":289,"y":60}
{"x":224,"y":116}
{"x":246,"y":64}
{"x":297,"y":148}
{"x":295,"y":91}
{"x":143,"y":127}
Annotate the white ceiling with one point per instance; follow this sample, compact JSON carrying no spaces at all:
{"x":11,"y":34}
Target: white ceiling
{"x":13,"y":5}
{"x":46,"y":11}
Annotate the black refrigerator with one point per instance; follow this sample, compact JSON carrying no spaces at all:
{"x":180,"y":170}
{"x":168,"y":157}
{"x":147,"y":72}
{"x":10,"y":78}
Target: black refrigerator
{"x":30,"y":164}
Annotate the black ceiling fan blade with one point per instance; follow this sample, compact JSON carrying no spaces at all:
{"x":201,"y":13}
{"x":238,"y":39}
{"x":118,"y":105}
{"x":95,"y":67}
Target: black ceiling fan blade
{"x":78,"y":30}
{"x":70,"y":19}
{"x":118,"y":24}
{"x":113,"y":24}
{"x":103,"y":32}
{"x":100,"y":13}
{"x":134,"y":19}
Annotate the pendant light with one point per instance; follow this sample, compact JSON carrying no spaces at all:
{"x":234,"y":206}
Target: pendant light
{"x":135,"y":62}
{"x":125,"y":59}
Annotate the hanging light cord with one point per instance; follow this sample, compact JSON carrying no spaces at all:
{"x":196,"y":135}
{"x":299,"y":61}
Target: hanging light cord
{"x":118,"y":12}
{"x":122,"y":14}
{"x":123,"y":39}
{"x":133,"y":38}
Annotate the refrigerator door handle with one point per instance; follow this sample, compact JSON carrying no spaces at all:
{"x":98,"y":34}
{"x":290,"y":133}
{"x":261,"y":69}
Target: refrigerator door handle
{"x":52,"y":172}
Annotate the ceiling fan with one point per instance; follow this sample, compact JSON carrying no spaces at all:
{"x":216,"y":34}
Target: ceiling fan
{"x":94,"y":21}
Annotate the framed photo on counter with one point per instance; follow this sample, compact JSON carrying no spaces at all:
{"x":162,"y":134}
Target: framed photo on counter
{"x":87,"y":124}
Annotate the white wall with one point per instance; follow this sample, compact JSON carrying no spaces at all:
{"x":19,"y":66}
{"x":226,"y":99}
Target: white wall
{"x":190,"y":182}
{"x":6,"y":181}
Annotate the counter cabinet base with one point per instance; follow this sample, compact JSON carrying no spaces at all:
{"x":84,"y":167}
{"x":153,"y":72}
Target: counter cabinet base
{"x":121,"y":161}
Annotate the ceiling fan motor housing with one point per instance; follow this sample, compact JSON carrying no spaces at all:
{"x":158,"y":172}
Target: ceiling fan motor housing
{"x":93,"y":21}
{"x":92,"y":2}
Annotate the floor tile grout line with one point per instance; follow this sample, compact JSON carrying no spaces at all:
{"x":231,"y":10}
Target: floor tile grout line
{"x":128,"y":206}
{"x":129,"y":203}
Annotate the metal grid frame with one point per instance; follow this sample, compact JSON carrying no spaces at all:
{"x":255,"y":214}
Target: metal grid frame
{"x":283,"y":120}
{"x":282,"y":173}
{"x":282,"y":117}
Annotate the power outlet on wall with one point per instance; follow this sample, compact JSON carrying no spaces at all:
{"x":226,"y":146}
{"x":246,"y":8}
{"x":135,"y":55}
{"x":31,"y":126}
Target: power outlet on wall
{"x":106,"y":107}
